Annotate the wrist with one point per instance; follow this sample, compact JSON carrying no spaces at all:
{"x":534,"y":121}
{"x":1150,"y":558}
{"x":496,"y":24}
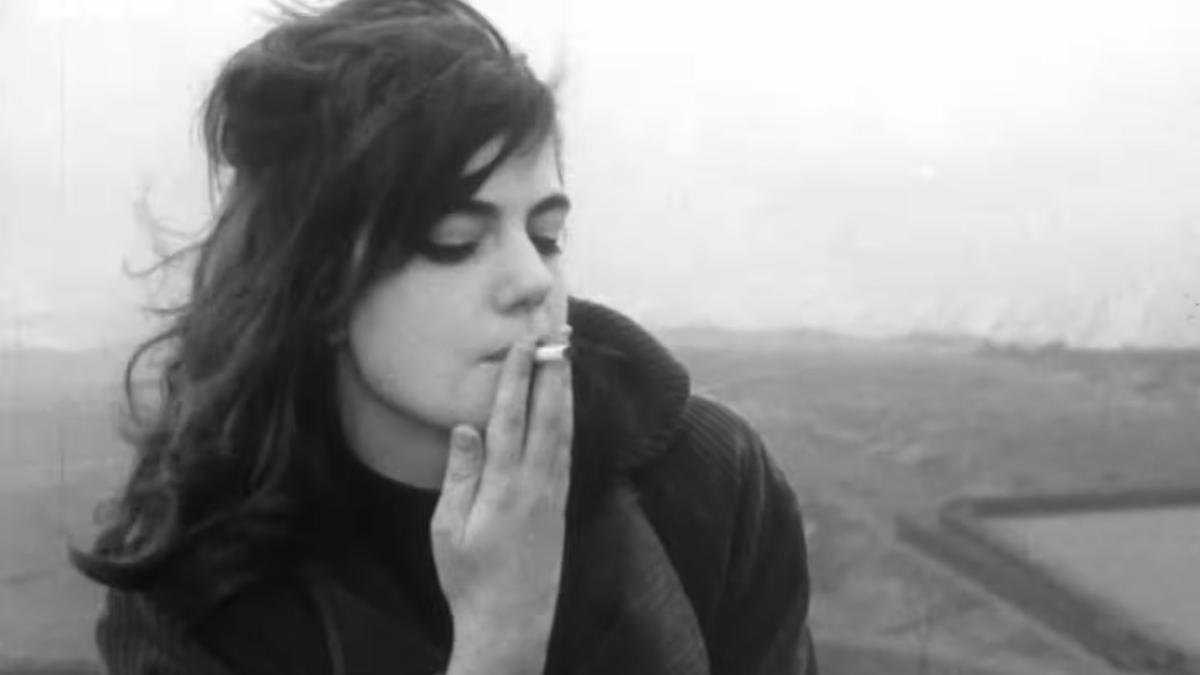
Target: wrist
{"x":493,"y":652}
{"x":472,"y":661}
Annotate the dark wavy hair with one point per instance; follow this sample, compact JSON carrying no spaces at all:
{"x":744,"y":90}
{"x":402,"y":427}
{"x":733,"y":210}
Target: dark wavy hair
{"x":335,"y":142}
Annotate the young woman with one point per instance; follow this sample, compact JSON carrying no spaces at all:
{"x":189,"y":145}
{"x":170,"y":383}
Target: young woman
{"x":356,"y":464}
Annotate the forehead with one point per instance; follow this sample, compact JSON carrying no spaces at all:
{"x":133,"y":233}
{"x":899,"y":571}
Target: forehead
{"x":526,"y":174}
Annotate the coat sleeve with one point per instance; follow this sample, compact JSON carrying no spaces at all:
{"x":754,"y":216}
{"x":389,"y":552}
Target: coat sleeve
{"x":762,"y":618}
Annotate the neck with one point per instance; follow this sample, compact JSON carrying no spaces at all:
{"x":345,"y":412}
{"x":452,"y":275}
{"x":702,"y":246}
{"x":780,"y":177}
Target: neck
{"x":386,"y":440}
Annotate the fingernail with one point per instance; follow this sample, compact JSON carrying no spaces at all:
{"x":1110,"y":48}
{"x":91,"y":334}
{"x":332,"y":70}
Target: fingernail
{"x":460,"y":439}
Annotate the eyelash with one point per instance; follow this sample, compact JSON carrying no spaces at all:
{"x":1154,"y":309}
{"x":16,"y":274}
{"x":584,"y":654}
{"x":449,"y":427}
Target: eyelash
{"x":440,"y":253}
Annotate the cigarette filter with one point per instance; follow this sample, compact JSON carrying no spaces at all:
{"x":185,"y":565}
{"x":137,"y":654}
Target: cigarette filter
{"x":547,"y":353}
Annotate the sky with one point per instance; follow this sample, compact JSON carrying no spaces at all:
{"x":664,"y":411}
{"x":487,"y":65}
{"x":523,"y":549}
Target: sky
{"x":1020,"y":170}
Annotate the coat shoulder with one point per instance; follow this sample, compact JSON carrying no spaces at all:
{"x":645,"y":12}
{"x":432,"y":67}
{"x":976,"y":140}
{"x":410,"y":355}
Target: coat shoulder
{"x":712,"y":444}
{"x":731,"y":524}
{"x":691,"y":493}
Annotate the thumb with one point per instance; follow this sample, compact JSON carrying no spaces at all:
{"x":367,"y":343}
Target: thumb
{"x":461,"y":480}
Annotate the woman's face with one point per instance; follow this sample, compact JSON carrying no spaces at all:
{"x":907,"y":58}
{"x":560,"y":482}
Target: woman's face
{"x":422,"y":336}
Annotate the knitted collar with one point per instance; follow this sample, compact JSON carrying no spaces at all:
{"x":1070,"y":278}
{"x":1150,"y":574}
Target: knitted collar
{"x":652,"y":383}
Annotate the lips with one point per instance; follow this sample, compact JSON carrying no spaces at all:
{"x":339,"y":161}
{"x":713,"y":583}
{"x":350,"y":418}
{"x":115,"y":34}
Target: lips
{"x":498,"y":355}
{"x":502,"y":353}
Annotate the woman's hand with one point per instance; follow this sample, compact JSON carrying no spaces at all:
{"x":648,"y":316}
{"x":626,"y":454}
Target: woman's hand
{"x":499,"y":526}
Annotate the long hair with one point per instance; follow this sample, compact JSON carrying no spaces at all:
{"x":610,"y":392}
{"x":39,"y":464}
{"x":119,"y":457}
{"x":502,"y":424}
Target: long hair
{"x":334,"y":142}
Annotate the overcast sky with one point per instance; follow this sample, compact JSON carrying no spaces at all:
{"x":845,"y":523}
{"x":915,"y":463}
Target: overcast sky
{"x":1024,"y":169}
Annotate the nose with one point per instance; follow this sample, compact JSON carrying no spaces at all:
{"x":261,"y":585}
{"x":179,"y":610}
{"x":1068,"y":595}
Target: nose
{"x":526,"y":277}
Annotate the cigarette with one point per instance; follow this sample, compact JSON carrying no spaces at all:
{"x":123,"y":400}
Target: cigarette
{"x":548,"y":353}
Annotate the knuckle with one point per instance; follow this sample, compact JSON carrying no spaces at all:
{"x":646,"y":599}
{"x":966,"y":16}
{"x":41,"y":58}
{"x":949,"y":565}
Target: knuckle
{"x":502,"y":498}
{"x":442,"y":527}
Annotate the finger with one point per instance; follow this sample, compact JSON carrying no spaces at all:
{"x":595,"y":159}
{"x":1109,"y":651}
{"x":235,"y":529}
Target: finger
{"x":506,"y":427}
{"x":560,"y":468}
{"x":562,"y":459}
{"x":551,"y":420}
{"x":459,"y":485}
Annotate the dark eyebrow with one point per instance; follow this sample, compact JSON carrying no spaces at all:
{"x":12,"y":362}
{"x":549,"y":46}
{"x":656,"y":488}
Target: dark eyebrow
{"x":478,"y":208}
{"x":488,"y":210}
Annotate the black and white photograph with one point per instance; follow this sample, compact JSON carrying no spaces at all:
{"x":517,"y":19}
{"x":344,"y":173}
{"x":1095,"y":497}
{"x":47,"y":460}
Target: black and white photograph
{"x":599,"y":337}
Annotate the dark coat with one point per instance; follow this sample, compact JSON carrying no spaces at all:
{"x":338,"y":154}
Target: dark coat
{"x":690,"y":560}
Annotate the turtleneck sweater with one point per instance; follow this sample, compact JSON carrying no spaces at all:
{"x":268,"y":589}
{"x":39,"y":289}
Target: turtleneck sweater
{"x":393,"y":525}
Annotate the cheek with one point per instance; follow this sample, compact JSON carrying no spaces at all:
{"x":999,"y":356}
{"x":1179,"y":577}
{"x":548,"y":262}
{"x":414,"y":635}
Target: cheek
{"x":386,"y":344}
{"x":386,"y":371}
{"x":379,"y":345}
{"x":418,"y":373}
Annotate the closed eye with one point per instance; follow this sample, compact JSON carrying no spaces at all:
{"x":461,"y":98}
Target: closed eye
{"x":547,"y":247}
{"x":448,"y":253}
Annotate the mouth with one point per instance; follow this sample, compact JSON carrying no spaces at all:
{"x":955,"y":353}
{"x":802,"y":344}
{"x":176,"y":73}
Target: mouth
{"x":543,"y":341}
{"x":498,"y":355}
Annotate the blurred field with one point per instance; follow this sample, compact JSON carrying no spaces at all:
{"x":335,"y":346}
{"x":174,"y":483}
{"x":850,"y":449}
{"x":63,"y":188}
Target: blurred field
{"x":865,"y":430}
{"x":870,"y":430}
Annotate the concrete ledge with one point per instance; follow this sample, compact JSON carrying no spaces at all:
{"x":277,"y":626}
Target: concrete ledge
{"x":49,"y":667}
{"x":840,"y":658}
{"x":957,"y":535}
